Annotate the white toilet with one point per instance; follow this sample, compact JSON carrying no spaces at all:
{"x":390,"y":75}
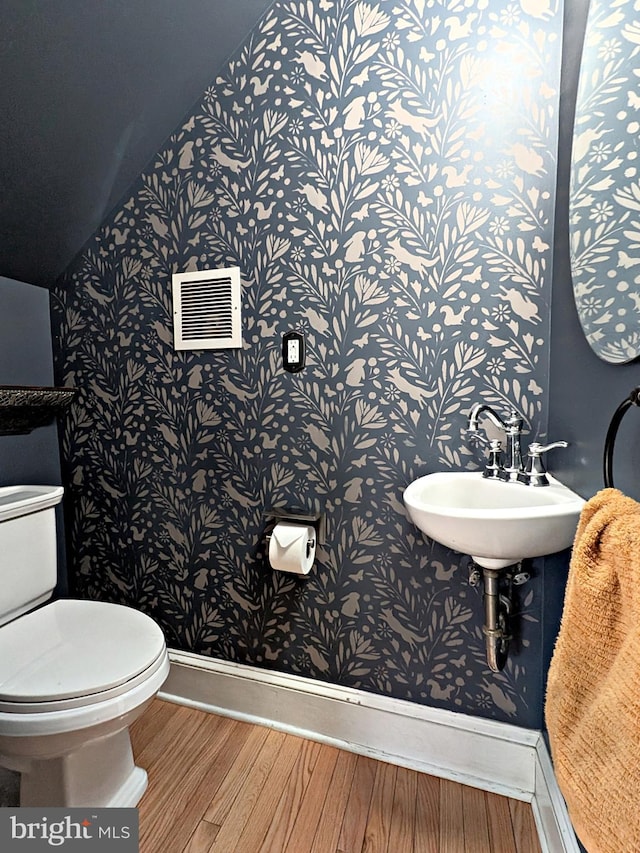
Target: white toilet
{"x":73,"y":674}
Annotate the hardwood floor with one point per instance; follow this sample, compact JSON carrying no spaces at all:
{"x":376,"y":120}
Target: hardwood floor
{"x":218,"y":785}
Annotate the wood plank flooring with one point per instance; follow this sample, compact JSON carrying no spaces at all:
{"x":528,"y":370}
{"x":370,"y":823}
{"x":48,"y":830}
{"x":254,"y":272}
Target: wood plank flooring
{"x":218,"y":785}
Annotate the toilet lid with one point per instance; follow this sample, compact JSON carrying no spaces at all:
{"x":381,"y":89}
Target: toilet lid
{"x":75,"y":648}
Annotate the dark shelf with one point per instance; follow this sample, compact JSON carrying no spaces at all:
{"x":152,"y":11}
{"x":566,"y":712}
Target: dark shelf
{"x":23,"y":408}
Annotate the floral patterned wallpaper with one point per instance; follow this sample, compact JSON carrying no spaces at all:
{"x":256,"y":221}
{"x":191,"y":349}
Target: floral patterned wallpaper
{"x":383,"y":173}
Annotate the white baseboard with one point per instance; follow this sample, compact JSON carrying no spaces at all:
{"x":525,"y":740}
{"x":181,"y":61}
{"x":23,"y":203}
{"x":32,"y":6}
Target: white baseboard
{"x":549,"y":808}
{"x":494,"y":756}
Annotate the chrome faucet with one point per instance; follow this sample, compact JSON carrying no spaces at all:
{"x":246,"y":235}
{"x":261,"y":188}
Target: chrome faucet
{"x":512,"y":467}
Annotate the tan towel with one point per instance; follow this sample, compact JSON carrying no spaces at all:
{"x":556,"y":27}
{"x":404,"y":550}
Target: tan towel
{"x":593,"y":692}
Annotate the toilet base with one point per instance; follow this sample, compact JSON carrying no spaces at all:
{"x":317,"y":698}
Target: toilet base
{"x":101,"y":773}
{"x":79,"y":754}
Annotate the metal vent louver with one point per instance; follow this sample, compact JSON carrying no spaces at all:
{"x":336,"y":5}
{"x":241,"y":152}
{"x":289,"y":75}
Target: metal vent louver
{"x":206,"y":309}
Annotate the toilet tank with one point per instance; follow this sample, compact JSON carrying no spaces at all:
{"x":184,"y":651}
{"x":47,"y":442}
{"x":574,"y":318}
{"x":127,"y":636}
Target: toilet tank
{"x":28,"y":564}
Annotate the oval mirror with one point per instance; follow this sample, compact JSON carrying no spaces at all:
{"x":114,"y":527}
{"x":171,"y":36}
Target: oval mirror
{"x":604,"y":199}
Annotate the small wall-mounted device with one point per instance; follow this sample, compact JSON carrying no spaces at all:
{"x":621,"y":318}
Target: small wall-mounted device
{"x":207,"y":309}
{"x":293,"y":351}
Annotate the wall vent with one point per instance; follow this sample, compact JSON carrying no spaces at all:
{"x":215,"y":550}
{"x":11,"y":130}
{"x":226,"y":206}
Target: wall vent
{"x":207,"y":309}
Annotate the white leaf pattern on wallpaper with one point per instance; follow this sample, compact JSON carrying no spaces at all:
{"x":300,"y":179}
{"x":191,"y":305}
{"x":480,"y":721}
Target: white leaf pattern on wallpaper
{"x":383,"y":174}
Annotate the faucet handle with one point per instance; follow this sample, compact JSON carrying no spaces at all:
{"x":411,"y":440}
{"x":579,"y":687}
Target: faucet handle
{"x":494,"y":469}
{"x":536,"y":449}
{"x":535,"y":474}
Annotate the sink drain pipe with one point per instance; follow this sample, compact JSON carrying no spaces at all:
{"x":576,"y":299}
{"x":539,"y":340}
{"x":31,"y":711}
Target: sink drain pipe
{"x":497,"y":609}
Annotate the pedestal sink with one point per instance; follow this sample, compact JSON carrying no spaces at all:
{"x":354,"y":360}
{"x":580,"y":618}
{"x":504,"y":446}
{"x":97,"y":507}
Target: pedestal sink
{"x":496,"y":523}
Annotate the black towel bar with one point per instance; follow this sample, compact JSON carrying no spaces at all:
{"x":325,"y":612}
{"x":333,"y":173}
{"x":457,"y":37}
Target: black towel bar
{"x":609,"y":443}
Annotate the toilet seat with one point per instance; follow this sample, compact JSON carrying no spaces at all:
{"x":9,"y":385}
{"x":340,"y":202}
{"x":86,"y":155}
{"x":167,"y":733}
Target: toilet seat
{"x":72,"y":654}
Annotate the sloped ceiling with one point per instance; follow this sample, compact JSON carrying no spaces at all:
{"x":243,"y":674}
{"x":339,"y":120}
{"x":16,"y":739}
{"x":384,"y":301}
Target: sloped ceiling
{"x":88,"y":93}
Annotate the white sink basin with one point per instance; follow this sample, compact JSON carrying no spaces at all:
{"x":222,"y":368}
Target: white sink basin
{"x":496,"y":523}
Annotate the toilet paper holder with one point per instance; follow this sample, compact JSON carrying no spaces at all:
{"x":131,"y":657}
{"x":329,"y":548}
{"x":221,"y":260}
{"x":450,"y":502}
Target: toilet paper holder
{"x":315,"y":520}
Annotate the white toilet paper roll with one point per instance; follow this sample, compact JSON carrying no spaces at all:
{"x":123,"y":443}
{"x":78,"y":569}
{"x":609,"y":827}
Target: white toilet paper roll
{"x":289,"y":548}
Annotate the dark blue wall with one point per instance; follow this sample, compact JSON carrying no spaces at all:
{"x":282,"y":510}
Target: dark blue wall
{"x":26,"y":359}
{"x":584,"y":391}
{"x":89,"y":90}
{"x":385,"y":183}
{"x":572,"y":364}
